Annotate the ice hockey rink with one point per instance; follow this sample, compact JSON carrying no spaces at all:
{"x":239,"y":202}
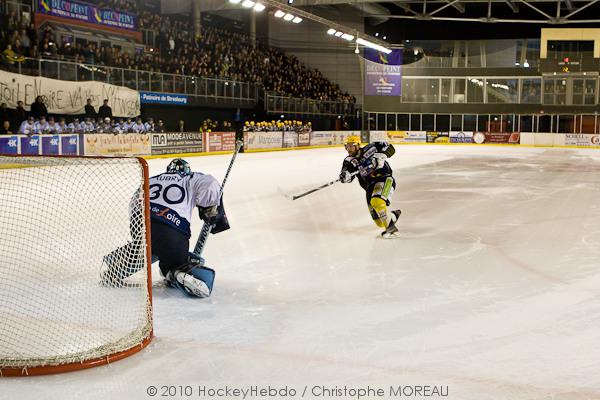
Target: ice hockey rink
{"x":491,"y":292}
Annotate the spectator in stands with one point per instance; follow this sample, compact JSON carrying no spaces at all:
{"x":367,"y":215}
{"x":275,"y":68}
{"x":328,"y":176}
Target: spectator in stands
{"x":27,"y":127}
{"x":105,"y":126}
{"x":62,"y":126}
{"x":19,"y":115}
{"x":75,"y":126}
{"x":120,"y":125}
{"x":38,"y":108}
{"x":4,"y":112}
{"x":41,"y":126}
{"x":32,"y":34}
{"x":105,"y":111}
{"x":88,"y":125}
{"x":34,"y":52}
{"x":11,"y":57}
{"x":6,"y":129}
{"x":138,"y":126}
{"x":90,"y":111}
{"x":181,"y":126}
{"x":19,"y":51}
{"x":149,"y":125}
{"x":52,"y":126}
{"x":160,"y":127}
{"x":127,"y":125}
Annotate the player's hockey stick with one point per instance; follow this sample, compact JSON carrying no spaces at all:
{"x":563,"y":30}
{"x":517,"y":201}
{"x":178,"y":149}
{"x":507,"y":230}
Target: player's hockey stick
{"x":206,"y":228}
{"x":320,"y":187}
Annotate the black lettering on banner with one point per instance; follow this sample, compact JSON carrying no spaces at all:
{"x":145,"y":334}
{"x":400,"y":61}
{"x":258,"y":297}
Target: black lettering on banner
{"x":66,"y":98}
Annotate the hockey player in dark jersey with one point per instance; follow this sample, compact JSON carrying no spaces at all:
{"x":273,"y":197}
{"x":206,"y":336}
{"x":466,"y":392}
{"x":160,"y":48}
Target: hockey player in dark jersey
{"x":375,"y":177}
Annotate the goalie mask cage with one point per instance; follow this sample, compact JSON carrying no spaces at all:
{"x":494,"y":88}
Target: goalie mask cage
{"x":59,"y":219}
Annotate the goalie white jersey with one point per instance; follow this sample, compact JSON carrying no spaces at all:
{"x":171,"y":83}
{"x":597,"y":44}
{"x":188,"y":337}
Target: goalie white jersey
{"x":173,"y":197}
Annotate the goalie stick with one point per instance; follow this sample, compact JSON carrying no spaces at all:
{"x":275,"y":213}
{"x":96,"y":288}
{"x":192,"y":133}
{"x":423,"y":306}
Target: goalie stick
{"x":320,"y":187}
{"x":206,"y":228}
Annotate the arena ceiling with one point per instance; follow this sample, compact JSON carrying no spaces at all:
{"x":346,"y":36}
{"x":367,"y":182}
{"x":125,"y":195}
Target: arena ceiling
{"x":557,"y":12}
{"x":543,"y":12}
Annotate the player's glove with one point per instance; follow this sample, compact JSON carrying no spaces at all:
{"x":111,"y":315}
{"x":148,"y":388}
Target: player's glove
{"x":208,"y":214}
{"x":345,"y":177}
{"x":379,"y":160}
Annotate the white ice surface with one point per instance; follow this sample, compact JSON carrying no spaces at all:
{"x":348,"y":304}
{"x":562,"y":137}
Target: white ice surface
{"x":492,"y":290}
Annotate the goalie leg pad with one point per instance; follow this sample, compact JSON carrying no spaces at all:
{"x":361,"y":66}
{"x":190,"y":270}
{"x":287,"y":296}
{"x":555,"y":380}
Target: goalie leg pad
{"x":119,"y":265}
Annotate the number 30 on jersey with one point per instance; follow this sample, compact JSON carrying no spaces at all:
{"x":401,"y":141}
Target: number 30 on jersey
{"x":172,"y":194}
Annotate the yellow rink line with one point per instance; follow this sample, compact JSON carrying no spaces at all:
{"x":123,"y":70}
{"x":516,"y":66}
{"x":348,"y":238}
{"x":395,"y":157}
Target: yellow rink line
{"x":203,"y":154}
{"x":13,"y":166}
{"x":215,"y":153}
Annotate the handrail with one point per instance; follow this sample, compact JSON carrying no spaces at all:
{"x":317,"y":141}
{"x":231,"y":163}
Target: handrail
{"x":137,"y":79}
{"x":207,"y":87}
{"x":292,"y":105}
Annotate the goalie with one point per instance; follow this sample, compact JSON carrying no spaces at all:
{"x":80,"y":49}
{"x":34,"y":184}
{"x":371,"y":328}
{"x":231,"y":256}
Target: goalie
{"x":173,"y":196}
{"x":375,"y":177}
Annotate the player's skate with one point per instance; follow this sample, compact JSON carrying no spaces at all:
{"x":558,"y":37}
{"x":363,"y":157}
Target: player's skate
{"x":392,"y":230}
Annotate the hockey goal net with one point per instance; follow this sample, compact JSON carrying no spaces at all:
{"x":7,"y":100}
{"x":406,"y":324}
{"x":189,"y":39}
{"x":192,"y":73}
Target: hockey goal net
{"x":59,"y":219}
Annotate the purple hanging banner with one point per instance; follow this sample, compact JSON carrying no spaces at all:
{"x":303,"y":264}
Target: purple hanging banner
{"x":383,"y":76}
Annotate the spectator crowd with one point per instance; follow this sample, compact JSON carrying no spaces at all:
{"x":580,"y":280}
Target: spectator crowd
{"x":270,"y":126}
{"x":37,"y":121}
{"x":88,"y":125}
{"x":215,"y":52}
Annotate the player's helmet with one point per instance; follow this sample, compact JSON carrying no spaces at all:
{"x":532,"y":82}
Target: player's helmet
{"x":179,"y":166}
{"x":353,"y":139}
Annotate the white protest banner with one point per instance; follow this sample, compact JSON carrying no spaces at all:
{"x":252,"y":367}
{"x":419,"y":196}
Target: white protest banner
{"x":66,"y":97}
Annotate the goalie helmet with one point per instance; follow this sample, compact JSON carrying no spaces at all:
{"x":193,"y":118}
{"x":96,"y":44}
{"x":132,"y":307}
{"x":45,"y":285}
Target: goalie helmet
{"x":179,"y":166}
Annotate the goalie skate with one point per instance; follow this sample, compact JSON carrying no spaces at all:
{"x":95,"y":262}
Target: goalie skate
{"x":192,"y":285}
{"x":195,"y":282}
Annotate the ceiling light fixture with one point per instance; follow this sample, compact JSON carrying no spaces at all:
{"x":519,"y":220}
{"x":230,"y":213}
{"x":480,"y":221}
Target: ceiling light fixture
{"x":373,"y":46}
